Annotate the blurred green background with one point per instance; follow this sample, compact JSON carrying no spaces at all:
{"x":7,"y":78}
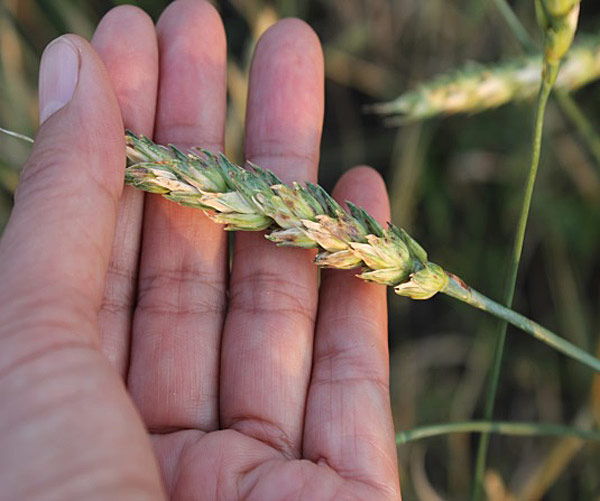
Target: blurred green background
{"x":455,"y":185}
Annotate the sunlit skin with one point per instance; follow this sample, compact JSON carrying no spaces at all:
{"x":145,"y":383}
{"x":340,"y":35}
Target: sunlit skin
{"x":133,"y":365}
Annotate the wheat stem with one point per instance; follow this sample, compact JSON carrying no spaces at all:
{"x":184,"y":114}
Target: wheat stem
{"x":558,"y":20}
{"x":512,"y":274}
{"x":11,"y":133}
{"x":582,"y":123}
{"x":457,"y":289}
{"x":500,"y":427}
{"x":515,"y":25}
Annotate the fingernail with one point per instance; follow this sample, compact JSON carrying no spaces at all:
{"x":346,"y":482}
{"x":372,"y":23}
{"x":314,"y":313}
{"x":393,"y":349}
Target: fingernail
{"x":59,"y":72}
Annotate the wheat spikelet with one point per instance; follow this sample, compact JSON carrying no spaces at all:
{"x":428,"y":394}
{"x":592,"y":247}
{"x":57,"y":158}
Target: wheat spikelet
{"x":480,"y":87}
{"x":300,"y":216}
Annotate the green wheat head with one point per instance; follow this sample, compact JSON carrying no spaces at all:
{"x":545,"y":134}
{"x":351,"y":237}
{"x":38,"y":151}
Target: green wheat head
{"x":297,"y":215}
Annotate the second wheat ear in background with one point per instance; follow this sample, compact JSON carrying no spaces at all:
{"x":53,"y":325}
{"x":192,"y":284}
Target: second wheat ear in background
{"x":307,"y":216}
{"x":477,"y":87}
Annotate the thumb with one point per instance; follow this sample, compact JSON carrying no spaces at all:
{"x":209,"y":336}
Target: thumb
{"x":67,"y":422}
{"x":57,"y":244}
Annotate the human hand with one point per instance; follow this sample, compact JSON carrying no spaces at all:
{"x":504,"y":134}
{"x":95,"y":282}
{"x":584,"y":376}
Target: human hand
{"x":245,"y":390}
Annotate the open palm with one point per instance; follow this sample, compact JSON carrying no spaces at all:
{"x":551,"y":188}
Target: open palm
{"x":253,"y":383}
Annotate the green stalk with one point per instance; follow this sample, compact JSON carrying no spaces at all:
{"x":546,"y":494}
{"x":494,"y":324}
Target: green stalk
{"x":571,"y":109}
{"x":515,"y":25}
{"x":500,"y":427}
{"x":542,"y":100}
{"x":457,"y":289}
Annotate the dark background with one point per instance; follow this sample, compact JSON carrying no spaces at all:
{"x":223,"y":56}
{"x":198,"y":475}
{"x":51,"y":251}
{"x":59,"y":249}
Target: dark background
{"x":455,"y":184}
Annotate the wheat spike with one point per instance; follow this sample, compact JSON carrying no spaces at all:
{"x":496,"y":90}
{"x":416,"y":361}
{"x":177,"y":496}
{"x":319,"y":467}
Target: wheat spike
{"x":297,"y":215}
{"x":477,"y":87}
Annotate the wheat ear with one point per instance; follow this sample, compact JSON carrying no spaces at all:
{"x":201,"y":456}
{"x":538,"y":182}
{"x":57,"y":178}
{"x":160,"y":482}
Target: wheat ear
{"x":300,"y":216}
{"x":307,"y":216}
{"x":477,"y":87}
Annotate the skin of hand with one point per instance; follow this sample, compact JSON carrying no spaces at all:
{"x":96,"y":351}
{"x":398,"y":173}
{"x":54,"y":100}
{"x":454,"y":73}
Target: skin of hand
{"x":133,"y":363}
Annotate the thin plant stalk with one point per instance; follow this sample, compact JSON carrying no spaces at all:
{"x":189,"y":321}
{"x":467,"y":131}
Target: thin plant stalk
{"x":11,"y":133}
{"x":509,"y":292}
{"x":515,"y":25}
{"x":499,"y":427}
{"x":584,"y":126}
{"x":457,"y":289}
{"x":559,"y":30}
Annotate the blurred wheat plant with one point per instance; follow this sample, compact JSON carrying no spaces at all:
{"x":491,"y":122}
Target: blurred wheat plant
{"x":308,"y":217}
{"x":478,"y":87}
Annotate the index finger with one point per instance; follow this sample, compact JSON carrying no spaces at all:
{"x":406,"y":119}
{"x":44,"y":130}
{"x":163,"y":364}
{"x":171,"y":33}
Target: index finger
{"x":126,"y":42}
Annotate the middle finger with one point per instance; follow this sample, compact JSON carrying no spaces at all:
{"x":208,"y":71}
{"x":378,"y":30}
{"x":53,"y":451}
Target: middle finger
{"x":267,"y":341}
{"x":181,"y":295}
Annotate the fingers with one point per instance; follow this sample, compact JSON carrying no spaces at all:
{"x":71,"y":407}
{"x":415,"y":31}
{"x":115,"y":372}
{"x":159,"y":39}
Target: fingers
{"x":173,"y":373}
{"x":348,"y":416}
{"x":126,"y":42}
{"x":65,"y":414}
{"x":267,"y":343}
